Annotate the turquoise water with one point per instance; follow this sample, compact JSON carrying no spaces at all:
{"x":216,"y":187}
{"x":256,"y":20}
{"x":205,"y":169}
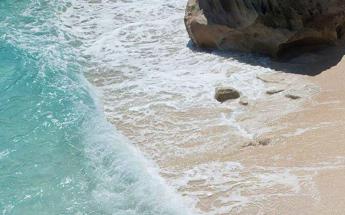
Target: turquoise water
{"x":58,"y":155}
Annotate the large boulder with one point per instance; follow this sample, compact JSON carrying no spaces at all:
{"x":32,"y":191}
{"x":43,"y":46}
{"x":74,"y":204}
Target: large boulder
{"x":264,"y":26}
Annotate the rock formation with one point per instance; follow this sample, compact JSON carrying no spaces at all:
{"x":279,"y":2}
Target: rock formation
{"x":264,"y":26}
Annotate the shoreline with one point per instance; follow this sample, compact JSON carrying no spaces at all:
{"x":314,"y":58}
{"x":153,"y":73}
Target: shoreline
{"x":289,"y":175}
{"x":166,"y":107}
{"x":202,"y":174}
{"x":217,"y":170}
{"x":159,"y":93}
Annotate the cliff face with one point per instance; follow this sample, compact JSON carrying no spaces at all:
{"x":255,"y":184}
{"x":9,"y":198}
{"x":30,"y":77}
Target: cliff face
{"x":264,"y":26}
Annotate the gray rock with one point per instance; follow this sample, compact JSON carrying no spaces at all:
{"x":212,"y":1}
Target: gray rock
{"x":226,"y":93}
{"x":292,"y":96}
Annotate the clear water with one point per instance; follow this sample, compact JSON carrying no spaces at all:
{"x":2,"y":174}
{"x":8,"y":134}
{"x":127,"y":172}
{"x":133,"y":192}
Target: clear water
{"x":58,"y":154}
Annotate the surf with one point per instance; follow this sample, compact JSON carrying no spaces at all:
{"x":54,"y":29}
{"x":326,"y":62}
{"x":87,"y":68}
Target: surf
{"x":58,"y":153}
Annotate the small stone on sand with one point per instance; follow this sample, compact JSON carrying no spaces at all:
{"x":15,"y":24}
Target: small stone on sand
{"x":226,"y":93}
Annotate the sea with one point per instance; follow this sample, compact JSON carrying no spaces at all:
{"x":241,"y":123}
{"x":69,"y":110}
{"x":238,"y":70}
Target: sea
{"x":58,"y":153}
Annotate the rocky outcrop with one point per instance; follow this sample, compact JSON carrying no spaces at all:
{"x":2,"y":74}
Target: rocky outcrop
{"x":264,"y":26}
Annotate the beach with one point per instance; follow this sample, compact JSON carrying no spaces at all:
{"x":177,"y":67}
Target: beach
{"x":311,"y":148}
{"x":300,"y":171}
{"x":108,"y":107}
{"x":276,"y":155}
{"x":222,"y":158}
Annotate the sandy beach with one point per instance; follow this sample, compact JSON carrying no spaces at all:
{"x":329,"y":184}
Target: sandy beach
{"x":280,"y":154}
{"x":310,"y":145}
{"x":277,"y":155}
{"x":154,"y":108}
{"x":300,"y":167}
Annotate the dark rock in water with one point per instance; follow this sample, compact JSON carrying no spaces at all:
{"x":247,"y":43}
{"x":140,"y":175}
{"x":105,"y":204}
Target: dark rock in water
{"x":226,"y":93}
{"x":292,"y":96}
{"x":264,"y":26}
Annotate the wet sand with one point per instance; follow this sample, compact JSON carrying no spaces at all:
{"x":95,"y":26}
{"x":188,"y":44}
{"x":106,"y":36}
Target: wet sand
{"x":301,"y":169}
{"x":310,"y":144}
{"x":220,"y":169}
{"x":209,"y":152}
{"x":158,"y":91}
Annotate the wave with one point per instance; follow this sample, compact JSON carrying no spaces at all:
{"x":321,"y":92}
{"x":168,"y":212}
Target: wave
{"x":58,"y":154}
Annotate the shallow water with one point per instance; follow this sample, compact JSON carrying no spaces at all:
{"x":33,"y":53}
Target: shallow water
{"x":58,"y":154}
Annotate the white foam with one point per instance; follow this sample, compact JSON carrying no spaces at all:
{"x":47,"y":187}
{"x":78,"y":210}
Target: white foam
{"x":300,"y":131}
{"x":147,"y":74}
{"x":233,"y":186}
{"x":159,"y":92}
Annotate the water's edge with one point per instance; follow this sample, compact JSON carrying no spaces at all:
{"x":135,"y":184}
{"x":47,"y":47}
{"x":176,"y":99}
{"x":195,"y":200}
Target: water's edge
{"x":58,"y":153}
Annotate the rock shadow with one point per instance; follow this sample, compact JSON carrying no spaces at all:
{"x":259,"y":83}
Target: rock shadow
{"x":303,"y":60}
